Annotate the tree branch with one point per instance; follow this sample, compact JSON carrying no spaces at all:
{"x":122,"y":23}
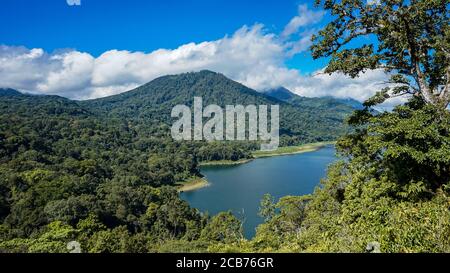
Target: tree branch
{"x":420,"y":79}
{"x":444,"y":96}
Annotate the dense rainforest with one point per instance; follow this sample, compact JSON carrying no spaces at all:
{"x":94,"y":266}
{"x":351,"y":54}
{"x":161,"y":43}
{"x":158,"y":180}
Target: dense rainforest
{"x":103,"y":172}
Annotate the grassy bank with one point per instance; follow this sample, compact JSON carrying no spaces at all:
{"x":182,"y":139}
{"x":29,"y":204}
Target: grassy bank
{"x":288,"y":150}
{"x":225,"y":162}
{"x":193,"y":184}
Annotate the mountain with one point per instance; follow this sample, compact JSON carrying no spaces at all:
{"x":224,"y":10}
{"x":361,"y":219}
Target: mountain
{"x":44,"y":106}
{"x":301,"y":119}
{"x":357,"y":105}
{"x":329,"y":102}
{"x":149,"y":106}
{"x":280,"y":93}
{"x":325,"y":106}
{"x":111,"y":162}
{"x":157,"y":98}
{"x":9,"y":92}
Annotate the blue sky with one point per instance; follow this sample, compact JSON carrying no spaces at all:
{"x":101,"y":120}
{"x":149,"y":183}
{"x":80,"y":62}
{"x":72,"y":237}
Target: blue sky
{"x":110,"y":46}
{"x":99,"y":25}
{"x":139,"y":25}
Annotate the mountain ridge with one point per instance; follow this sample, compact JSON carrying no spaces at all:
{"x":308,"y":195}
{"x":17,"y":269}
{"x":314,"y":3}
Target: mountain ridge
{"x":9,"y":92}
{"x":153,"y":101}
{"x":149,"y":106}
{"x":286,"y":95}
{"x":280,"y":93}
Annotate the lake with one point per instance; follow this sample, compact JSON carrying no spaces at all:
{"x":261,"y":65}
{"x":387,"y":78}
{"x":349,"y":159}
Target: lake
{"x":240,"y":188}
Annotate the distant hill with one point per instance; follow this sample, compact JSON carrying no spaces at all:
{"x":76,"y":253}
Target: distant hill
{"x":286,"y":95}
{"x":15,"y":103}
{"x":301,"y":119}
{"x":9,"y":92}
{"x":350,"y":102}
{"x":280,"y":93}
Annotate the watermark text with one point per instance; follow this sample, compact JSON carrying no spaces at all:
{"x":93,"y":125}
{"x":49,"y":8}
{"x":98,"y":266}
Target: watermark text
{"x":236,"y":122}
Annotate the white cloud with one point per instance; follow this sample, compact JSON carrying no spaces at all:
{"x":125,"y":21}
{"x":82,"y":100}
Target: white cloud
{"x":63,"y":73}
{"x":251,"y":56}
{"x":322,"y":84}
{"x":341,"y":86}
{"x":248,"y":56}
{"x":302,"y":44}
{"x":305,"y":17}
{"x":73,"y":73}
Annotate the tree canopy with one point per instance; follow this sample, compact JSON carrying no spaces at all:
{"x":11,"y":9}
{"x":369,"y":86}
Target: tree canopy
{"x":412,"y":44}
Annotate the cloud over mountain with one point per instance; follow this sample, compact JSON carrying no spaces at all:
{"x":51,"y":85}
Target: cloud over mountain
{"x":251,"y":55}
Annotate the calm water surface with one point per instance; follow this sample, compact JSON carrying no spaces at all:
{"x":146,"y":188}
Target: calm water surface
{"x":240,"y":188}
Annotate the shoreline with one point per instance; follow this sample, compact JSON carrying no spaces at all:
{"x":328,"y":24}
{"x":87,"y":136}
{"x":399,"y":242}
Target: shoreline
{"x":291,"y":150}
{"x":225,"y":162}
{"x":193,"y":184}
{"x":201,"y":182}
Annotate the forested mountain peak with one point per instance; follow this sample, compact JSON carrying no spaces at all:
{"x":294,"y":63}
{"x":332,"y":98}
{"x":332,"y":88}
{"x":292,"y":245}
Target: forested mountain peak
{"x":149,"y":106}
{"x":280,"y":93}
{"x":327,"y":102}
{"x":152,"y":103}
{"x":181,"y":88}
{"x":9,"y":92}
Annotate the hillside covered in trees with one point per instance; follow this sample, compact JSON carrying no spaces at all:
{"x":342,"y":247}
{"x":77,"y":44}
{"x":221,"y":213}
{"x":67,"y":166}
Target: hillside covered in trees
{"x":103,"y":172}
{"x":150,"y":105}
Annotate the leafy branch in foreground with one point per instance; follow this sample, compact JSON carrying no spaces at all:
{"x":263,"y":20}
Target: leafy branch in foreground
{"x":413,"y":45}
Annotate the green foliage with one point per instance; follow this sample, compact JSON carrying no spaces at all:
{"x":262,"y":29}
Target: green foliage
{"x":108,"y":168}
{"x":411,"y":144}
{"x":224,"y":228}
{"x":393,"y":189}
{"x":103,"y":172}
{"x":413,"y":44}
{"x":53,"y":239}
{"x":148,"y":106}
{"x":60,"y":163}
{"x":267,"y":207}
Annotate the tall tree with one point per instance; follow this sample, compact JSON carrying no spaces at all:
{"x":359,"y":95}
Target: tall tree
{"x":413,"y":45}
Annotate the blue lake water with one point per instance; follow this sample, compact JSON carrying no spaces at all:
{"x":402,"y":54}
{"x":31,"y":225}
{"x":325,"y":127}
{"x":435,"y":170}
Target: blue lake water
{"x":240,"y":188}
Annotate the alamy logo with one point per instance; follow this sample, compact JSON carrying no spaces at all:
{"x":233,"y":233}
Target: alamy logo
{"x":73,"y":2}
{"x":236,"y":121}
